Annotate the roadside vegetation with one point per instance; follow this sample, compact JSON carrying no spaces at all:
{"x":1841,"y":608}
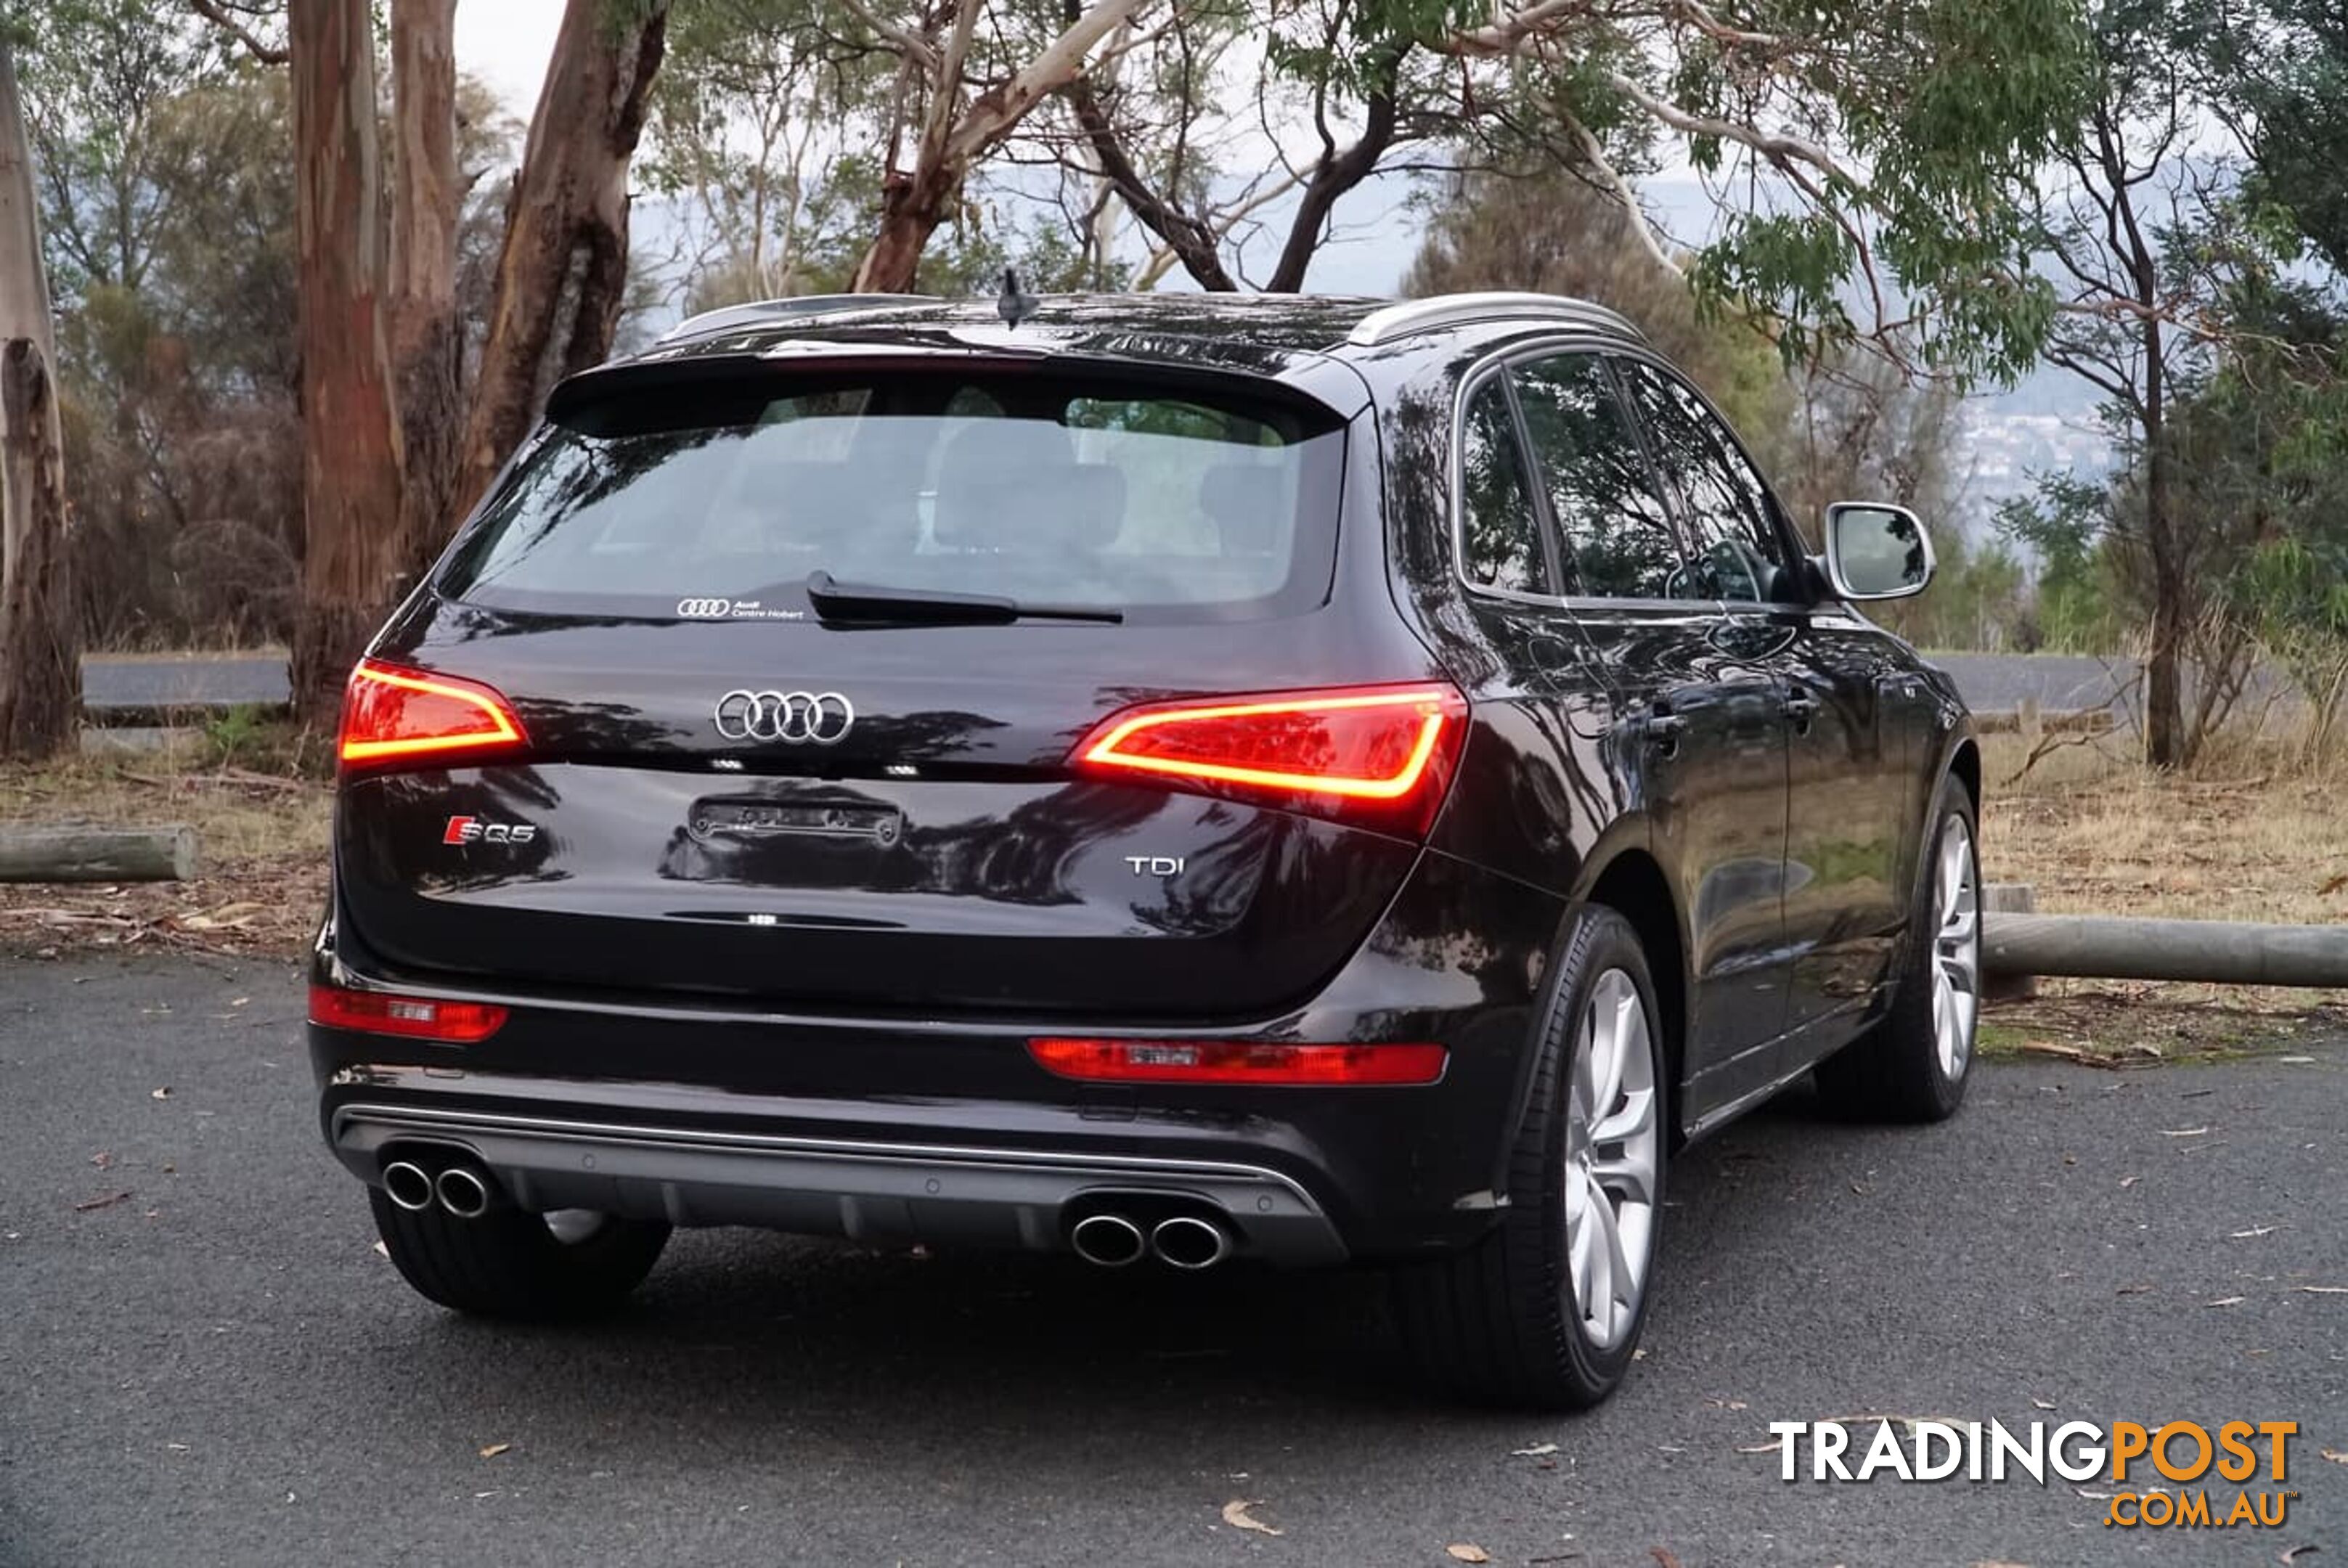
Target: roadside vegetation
{"x":2252,"y":831}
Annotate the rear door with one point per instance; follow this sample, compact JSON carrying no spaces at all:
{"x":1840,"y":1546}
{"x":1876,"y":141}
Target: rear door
{"x":1700,"y":718}
{"x":724,"y":790}
{"x":1848,"y":791}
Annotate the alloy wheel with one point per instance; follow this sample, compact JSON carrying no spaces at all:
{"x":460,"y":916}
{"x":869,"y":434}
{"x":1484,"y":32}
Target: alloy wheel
{"x":1956,"y":949}
{"x":1612,"y":1143}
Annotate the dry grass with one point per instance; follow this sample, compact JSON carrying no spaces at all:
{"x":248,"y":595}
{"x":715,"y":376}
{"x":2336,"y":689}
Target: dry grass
{"x":2252,"y":833}
{"x":260,"y":880}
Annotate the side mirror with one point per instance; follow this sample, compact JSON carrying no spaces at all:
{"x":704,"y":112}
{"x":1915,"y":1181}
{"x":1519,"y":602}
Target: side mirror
{"x":1876,"y":551}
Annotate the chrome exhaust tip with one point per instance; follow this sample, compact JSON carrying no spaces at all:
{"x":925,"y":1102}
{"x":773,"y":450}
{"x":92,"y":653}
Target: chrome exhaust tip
{"x":407,"y":1185}
{"x":1188,"y":1242}
{"x":464,"y":1192}
{"x":1106,"y":1241}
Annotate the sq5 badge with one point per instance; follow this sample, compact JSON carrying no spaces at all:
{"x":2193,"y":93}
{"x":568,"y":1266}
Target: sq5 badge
{"x":473,"y":830}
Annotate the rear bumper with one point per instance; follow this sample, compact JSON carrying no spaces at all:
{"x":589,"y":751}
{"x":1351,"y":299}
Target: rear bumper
{"x":865,"y":1191}
{"x":707,"y":1111}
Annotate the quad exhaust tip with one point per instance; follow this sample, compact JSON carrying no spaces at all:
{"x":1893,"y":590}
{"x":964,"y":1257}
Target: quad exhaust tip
{"x":407,"y":1185}
{"x":463,"y":1191}
{"x":1188,"y":1242}
{"x":1106,"y":1241}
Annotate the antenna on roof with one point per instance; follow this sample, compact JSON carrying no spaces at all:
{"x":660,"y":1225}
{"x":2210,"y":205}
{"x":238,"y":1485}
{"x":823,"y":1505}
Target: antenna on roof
{"x":1012,"y":304}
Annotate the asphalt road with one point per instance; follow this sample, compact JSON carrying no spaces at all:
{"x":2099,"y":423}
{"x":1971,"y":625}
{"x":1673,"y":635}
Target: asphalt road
{"x":1990,"y":681}
{"x":158,"y":683}
{"x":219,"y":1369}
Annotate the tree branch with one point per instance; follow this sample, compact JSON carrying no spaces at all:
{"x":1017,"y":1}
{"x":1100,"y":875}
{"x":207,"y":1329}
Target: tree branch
{"x":220,"y":17}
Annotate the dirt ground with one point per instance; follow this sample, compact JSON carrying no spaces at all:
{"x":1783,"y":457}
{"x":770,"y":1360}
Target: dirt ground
{"x":261,"y":879}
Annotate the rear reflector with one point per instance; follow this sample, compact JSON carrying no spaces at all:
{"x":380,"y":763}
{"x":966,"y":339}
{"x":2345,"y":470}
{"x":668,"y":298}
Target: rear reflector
{"x":1383,"y":750}
{"x":1237,"y":1061}
{"x":411,"y":1018}
{"x":391,"y":714}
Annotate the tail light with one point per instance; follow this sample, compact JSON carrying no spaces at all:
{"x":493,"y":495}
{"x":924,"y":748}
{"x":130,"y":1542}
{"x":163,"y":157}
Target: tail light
{"x":411,"y":1018}
{"x":1386,"y":752}
{"x":1268,"y":1062}
{"x":393,"y":715}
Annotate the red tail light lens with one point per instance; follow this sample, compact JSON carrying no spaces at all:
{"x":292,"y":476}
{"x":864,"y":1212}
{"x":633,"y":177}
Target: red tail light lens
{"x":391,"y":715}
{"x":411,"y":1018}
{"x":1238,"y":1061}
{"x":1374,"y":749}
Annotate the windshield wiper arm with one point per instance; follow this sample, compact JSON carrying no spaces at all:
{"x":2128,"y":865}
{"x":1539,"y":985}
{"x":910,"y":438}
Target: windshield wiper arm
{"x":847,"y":601}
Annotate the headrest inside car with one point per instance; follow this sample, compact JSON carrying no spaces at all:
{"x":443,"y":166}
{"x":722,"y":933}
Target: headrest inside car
{"x":1248,"y":505}
{"x":1015,"y":484}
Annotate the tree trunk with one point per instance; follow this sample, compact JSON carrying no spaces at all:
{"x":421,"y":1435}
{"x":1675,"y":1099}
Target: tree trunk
{"x":2165,"y":745}
{"x":428,"y":205}
{"x":1338,"y":173}
{"x":40,"y":642}
{"x":564,"y":266}
{"x":911,"y":208}
{"x":350,"y":436}
{"x":914,"y":204}
{"x":24,"y":281}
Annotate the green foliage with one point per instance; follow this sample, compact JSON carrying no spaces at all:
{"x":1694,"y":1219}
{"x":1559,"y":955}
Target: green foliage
{"x":2063,"y":523}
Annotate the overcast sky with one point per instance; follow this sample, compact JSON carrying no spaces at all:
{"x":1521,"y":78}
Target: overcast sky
{"x":506,"y":44}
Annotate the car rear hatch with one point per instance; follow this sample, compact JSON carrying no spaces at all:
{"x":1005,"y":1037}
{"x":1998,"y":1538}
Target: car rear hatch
{"x":962,"y":688}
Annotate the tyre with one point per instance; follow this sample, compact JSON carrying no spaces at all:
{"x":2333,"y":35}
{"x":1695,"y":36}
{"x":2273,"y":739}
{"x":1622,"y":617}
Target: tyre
{"x":1546,"y":1310}
{"x":511,"y":1263}
{"x":1913,"y":1066}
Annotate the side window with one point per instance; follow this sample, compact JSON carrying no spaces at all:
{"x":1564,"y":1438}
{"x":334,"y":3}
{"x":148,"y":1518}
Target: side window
{"x":1738,"y":557}
{"x":1499,"y":541}
{"x":1617,"y":535}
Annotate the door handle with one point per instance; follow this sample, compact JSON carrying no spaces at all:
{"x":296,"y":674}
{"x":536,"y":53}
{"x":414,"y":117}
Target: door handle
{"x":1801,"y":708}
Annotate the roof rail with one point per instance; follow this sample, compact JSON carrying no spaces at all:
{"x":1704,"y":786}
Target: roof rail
{"x":1398,"y":321}
{"x":761,"y":312}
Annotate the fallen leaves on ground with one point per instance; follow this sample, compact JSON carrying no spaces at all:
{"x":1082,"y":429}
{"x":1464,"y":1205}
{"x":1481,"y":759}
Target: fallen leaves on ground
{"x":105,"y":1202}
{"x":2337,"y":1455}
{"x":1467,"y":1552}
{"x":494,"y":1450}
{"x":1236,"y":1515}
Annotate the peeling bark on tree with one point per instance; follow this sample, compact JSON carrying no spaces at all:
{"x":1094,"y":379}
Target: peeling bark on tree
{"x":24,"y":284}
{"x":352,"y":443}
{"x":563,"y":268}
{"x":40,"y":645}
{"x":40,"y":642}
{"x":428,"y":206}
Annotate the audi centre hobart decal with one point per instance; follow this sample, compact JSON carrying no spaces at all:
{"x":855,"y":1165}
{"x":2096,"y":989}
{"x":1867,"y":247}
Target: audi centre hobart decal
{"x":718,"y":608}
{"x":795,"y":718}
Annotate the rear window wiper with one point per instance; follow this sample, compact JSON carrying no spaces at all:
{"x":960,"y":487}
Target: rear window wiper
{"x":839,"y":601}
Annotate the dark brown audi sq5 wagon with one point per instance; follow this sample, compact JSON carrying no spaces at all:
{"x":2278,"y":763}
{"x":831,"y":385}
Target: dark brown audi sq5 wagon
{"x":1186,"y":781}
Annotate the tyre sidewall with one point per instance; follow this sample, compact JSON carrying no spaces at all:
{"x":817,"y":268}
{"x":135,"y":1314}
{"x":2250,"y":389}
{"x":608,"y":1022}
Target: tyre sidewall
{"x":1599,"y":940}
{"x":1947,"y":1094}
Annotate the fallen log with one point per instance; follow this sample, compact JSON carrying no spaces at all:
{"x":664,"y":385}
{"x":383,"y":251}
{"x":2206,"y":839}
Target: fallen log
{"x":166,"y":853}
{"x":2218,"y":952}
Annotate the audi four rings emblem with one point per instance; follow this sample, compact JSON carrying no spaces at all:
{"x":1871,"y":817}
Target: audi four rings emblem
{"x":821,"y":718}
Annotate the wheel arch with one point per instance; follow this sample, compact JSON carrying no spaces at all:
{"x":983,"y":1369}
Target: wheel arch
{"x":1632,"y":883}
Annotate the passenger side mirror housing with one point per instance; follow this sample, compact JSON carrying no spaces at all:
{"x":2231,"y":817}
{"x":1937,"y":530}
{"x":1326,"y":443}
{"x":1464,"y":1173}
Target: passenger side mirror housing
{"x":1876,"y":551}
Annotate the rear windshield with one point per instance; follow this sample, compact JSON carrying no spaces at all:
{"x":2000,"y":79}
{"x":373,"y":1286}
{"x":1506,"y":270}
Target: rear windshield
{"x":718,"y":501}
